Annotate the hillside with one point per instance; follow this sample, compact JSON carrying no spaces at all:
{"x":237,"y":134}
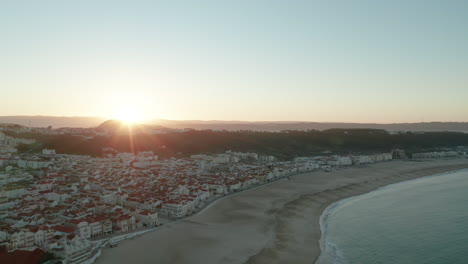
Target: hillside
{"x":45,"y":121}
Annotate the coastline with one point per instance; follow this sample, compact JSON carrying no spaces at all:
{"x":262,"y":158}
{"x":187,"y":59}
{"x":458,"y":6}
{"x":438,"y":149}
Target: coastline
{"x":276,"y":223}
{"x":329,"y":252}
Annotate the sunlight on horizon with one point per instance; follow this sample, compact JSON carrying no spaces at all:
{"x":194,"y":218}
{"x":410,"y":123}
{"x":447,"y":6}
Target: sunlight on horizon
{"x":244,"y":60}
{"x":129,"y":114}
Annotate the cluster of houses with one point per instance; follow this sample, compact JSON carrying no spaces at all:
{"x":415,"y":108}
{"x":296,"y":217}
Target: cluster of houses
{"x":9,"y":144}
{"x":439,"y":154}
{"x":67,"y":204}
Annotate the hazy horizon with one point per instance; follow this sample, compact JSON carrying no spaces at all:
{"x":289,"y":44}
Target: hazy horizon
{"x":233,"y":125}
{"x":316,"y":61}
{"x":146,"y":120}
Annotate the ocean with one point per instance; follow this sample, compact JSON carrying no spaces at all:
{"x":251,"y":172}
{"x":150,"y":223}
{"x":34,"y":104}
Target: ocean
{"x":418,"y":221}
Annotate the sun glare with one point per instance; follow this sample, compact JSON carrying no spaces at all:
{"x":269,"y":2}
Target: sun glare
{"x":129,"y":114}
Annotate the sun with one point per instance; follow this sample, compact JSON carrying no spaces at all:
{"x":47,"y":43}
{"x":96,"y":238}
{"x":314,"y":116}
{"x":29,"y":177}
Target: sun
{"x":129,"y":114}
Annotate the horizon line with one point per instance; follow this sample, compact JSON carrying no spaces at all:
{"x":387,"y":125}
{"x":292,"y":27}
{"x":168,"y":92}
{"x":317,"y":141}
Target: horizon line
{"x":244,"y":121}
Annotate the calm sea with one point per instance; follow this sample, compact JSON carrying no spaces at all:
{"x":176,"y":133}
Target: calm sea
{"x":418,"y":221}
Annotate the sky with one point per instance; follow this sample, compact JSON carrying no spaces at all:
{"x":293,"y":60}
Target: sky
{"x":254,"y":60}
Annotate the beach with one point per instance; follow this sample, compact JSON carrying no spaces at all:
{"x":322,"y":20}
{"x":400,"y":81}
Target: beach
{"x":275,"y":223}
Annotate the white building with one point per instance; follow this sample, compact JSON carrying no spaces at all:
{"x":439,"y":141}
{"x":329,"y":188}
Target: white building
{"x":267,"y":159}
{"x":435,"y":155}
{"x":381,"y":157}
{"x":222,"y":158}
{"x":175,"y":208}
{"x":149,"y":219}
{"x":33,"y":163}
{"x":77,"y":250}
{"x":48,"y":151}
{"x":362,"y":159}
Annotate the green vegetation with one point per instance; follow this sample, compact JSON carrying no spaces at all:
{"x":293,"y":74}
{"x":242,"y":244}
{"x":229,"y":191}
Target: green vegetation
{"x":284,"y":145}
{"x":17,"y":185}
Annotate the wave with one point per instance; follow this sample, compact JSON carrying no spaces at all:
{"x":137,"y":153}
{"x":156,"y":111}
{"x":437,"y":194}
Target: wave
{"x":329,"y":250}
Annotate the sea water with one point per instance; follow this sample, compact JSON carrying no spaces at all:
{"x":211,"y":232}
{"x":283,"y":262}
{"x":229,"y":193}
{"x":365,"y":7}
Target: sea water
{"x":418,"y":221}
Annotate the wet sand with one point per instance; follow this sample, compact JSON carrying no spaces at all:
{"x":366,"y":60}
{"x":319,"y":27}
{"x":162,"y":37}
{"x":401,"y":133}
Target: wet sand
{"x":276,"y":223}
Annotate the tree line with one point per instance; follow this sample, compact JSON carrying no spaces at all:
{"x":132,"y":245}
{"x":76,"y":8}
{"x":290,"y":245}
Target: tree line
{"x":283,"y":145}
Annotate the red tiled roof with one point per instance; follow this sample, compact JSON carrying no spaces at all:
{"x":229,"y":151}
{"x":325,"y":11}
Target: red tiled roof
{"x":21,"y":256}
{"x":63,"y":229}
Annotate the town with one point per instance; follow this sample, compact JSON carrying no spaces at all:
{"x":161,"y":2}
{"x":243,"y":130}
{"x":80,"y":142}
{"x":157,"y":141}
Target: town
{"x":71,"y":206}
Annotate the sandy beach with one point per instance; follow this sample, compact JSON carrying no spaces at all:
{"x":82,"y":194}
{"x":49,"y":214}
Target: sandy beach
{"x":276,"y":223}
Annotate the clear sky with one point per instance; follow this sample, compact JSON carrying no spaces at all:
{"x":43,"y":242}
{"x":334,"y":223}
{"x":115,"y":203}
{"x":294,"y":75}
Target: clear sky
{"x":351,"y":61}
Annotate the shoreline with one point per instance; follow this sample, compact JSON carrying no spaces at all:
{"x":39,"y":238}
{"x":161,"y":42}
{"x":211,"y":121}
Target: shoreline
{"x":325,"y":258}
{"x":275,"y":223}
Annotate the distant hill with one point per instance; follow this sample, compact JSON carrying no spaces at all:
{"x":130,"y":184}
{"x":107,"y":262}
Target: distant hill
{"x":288,"y":125}
{"x":122,"y":127}
{"x":111,"y":125}
{"x":56,"y":122}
